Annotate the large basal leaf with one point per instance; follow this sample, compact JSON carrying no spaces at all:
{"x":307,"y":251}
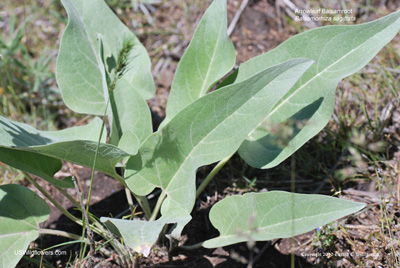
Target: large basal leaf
{"x":270,"y":215}
{"x":338,"y":51}
{"x":206,"y":131}
{"x":34,"y":163}
{"x":89,"y":52}
{"x":209,"y":56}
{"x":21,"y":211}
{"x":25,"y":147}
{"x":79,"y":72}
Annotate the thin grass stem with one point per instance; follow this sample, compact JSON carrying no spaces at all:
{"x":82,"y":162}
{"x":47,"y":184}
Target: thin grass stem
{"x":55,"y":203}
{"x":52,"y":200}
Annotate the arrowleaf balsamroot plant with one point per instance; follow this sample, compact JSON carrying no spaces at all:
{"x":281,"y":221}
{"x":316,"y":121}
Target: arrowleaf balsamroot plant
{"x":103,"y":70}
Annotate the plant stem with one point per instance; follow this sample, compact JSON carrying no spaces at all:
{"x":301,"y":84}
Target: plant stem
{"x":212,"y":174}
{"x":86,"y":220}
{"x":95,"y":159}
{"x":192,"y":247}
{"x":60,"y":233}
{"x":52,"y":200}
{"x":158,"y":206}
{"x":129,"y":199}
{"x":142,"y":200}
{"x":144,"y":204}
{"x":76,"y":204}
{"x":70,"y":236}
{"x":68,"y":196}
{"x":201,"y":188}
{"x":55,"y":203}
{"x":261,"y":252}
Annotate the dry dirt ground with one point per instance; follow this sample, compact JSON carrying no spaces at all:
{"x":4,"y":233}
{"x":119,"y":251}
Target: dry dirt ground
{"x":368,"y":239}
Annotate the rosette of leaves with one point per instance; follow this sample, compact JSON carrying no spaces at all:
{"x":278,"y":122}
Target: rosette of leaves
{"x":103,"y":70}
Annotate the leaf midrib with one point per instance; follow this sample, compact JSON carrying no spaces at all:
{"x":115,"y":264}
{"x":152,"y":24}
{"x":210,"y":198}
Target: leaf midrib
{"x":32,"y":149}
{"x":189,"y":156}
{"x":212,"y":131}
{"x":10,"y":246}
{"x":99,"y":64}
{"x":284,"y":222}
{"x":284,"y":101}
{"x":34,"y":218}
{"x":19,"y":233}
{"x":203,"y":90}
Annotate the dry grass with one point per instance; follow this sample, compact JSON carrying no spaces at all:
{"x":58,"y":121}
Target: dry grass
{"x":357,"y":153}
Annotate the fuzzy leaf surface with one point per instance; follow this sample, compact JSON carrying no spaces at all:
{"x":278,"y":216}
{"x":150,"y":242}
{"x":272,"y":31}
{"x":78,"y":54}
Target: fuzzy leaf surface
{"x":87,"y":61}
{"x":21,"y":211}
{"x":24,"y":147}
{"x":204,"y":132}
{"x":78,"y":67}
{"x":209,"y":56}
{"x":141,"y":235}
{"x":276,"y":214}
{"x":338,"y":51}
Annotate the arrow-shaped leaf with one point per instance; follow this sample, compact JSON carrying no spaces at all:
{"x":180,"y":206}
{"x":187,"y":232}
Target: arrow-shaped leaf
{"x":206,"y":131}
{"x":21,"y":211}
{"x":270,"y":215}
{"x":338,"y":51}
{"x":97,"y":50}
{"x":79,"y":72}
{"x":77,"y":145}
{"x":209,"y":56}
{"x":34,"y":163}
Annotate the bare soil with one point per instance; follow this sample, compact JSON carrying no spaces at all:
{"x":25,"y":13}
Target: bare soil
{"x":260,"y":29}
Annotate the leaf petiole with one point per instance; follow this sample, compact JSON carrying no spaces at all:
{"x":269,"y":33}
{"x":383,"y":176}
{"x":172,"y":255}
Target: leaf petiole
{"x":212,"y":174}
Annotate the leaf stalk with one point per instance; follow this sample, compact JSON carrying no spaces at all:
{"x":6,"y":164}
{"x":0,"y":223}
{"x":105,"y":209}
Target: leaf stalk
{"x":212,"y":174}
{"x":157,"y":208}
{"x":56,"y":204}
{"x":61,"y":233}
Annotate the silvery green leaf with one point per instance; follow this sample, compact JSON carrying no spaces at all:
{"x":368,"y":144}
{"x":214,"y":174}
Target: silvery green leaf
{"x":78,"y":68}
{"x":21,"y":211}
{"x":209,"y":56}
{"x":76,"y":145}
{"x":87,"y":64}
{"x":141,"y":235}
{"x":338,"y":51}
{"x":211,"y":128}
{"x":270,"y":215}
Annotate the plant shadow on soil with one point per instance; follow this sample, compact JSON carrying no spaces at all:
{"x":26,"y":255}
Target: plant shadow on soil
{"x":256,"y":33}
{"x":198,"y":230}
